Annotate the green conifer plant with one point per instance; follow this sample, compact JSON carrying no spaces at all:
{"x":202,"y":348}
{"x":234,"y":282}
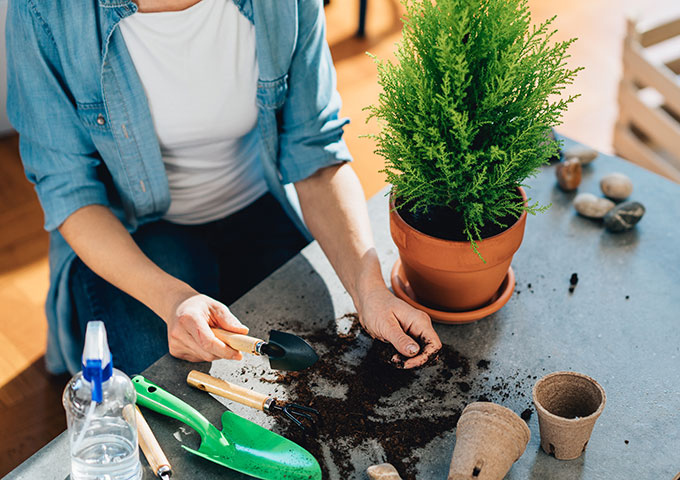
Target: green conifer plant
{"x":465,"y":109}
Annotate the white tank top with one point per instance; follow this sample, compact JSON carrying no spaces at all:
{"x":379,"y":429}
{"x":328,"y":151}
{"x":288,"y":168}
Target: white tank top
{"x":199,"y":71}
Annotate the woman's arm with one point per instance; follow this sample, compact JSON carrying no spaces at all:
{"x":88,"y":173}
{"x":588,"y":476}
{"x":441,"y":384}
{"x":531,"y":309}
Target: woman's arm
{"x":334,"y":208}
{"x":104,"y":245}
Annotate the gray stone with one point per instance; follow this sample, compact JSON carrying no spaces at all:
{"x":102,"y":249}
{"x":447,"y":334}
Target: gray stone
{"x":616,"y":186}
{"x":591,"y":206}
{"x":384,"y":471}
{"x":624,"y":216}
{"x":584,"y":155}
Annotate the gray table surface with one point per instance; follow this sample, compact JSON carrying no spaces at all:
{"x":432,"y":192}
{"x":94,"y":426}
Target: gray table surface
{"x":632,"y":347}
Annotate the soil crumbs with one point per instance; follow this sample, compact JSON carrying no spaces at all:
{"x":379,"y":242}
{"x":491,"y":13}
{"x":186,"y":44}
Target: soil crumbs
{"x":366,"y":418}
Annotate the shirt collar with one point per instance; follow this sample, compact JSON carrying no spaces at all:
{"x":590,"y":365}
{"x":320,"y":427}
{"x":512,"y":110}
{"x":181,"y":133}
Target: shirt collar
{"x":242,"y":4}
{"x":115,"y":3}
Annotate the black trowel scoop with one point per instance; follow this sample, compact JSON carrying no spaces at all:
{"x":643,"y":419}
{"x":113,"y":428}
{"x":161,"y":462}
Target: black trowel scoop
{"x":285,"y":351}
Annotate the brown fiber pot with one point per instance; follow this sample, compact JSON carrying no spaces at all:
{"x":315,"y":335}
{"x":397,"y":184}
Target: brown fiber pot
{"x":568,"y":405}
{"x":449,"y":275}
{"x":489,"y":439}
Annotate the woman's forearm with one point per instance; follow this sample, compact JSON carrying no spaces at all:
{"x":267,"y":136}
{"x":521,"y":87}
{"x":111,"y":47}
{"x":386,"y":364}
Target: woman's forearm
{"x":334,"y":209}
{"x":106,"y":247}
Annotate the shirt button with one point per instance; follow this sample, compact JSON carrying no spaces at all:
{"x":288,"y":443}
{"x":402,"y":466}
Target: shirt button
{"x":101,"y":120}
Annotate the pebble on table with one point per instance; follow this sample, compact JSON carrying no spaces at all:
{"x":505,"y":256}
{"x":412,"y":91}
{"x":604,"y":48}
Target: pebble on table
{"x":591,"y":206}
{"x":384,"y":471}
{"x":616,"y":186}
{"x":624,"y":216}
{"x":568,"y":174}
{"x":584,"y":155}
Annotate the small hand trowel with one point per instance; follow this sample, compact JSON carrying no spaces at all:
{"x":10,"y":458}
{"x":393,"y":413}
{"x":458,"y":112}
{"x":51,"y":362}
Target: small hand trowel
{"x":241,"y":444}
{"x":285,"y":351}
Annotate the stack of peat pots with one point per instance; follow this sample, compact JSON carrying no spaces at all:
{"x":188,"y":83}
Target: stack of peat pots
{"x":490,"y":438}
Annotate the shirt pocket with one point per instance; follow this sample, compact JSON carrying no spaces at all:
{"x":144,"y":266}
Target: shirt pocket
{"x":271,"y":94}
{"x":93,"y":116}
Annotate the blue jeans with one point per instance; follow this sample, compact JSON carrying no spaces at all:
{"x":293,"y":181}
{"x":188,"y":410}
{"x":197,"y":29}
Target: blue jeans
{"x":222,"y":259}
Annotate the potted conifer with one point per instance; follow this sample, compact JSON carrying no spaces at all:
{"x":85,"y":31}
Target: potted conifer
{"x":464,"y":113}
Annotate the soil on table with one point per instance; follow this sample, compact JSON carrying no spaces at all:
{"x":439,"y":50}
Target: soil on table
{"x":371,"y":416}
{"x":573,"y":281}
{"x":448,"y":224}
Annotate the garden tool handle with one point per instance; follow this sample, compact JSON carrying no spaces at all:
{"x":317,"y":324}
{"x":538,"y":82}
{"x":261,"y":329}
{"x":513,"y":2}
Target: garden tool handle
{"x":155,"y":398}
{"x":151,"y":448}
{"x":242,"y":343}
{"x":225,"y":389}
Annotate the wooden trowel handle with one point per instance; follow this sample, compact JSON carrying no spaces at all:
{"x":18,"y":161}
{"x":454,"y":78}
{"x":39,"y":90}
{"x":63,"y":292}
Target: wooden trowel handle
{"x":152,"y":450}
{"x":208,"y":383}
{"x":242,"y":343}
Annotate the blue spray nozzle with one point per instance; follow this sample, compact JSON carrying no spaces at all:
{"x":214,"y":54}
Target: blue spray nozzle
{"x":96,"y":374}
{"x":97,"y":361}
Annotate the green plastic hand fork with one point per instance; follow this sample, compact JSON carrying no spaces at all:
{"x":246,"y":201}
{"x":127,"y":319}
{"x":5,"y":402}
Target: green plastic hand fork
{"x":241,"y":445}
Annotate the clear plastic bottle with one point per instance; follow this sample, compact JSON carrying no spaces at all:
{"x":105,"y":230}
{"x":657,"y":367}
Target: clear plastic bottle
{"x":99,"y":403}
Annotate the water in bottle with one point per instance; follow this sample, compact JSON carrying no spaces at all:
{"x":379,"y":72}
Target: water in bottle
{"x":99,"y":403}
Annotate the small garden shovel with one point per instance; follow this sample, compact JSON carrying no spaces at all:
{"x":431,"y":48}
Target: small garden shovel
{"x":285,"y":351}
{"x":241,"y":445}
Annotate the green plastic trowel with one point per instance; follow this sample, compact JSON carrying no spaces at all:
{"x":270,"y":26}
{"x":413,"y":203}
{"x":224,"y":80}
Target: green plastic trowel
{"x":241,"y":445}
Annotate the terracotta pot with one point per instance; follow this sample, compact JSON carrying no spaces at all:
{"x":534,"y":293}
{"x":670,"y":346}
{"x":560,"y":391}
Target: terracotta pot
{"x":489,"y":439}
{"x":450,"y":275}
{"x":568,"y":405}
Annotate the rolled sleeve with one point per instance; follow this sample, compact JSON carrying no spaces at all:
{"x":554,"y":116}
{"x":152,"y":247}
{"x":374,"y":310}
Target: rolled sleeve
{"x":311,"y":129}
{"x":57,"y":152}
{"x":64,"y":182}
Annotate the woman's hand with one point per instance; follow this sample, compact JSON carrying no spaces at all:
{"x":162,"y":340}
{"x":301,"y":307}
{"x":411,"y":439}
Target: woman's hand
{"x":105,"y":245}
{"x":333,"y":205}
{"x":392,"y":320}
{"x":189,"y":334}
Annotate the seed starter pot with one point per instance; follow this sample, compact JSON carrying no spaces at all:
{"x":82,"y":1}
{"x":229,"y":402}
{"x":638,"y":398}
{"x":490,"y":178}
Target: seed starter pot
{"x":568,"y":405}
{"x":489,"y":439}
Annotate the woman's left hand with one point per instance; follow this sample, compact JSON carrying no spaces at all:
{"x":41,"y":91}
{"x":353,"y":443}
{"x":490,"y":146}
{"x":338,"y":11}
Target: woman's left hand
{"x":387,"y":318}
{"x":334,"y":209}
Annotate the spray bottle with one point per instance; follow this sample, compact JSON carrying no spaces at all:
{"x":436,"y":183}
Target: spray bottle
{"x":99,"y":403}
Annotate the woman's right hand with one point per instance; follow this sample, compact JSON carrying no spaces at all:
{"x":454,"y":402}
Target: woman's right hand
{"x":105,"y":245}
{"x":189,"y":330}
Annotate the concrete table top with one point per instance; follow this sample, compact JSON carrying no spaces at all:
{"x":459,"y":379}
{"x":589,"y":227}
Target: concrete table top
{"x":621,"y":326}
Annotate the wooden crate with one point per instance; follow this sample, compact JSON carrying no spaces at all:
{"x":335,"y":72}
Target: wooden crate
{"x":647,"y":131}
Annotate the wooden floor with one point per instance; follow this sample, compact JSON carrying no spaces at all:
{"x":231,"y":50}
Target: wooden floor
{"x":30,"y":406}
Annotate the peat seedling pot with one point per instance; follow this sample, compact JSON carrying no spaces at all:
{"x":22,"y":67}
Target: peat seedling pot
{"x":568,"y":405}
{"x":489,"y":439}
{"x":448,"y":275}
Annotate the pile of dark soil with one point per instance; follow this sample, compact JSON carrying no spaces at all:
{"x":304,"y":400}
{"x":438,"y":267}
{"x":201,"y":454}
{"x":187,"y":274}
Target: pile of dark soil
{"x":430,"y":400}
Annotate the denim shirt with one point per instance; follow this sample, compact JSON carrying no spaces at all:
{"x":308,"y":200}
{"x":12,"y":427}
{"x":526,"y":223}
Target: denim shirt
{"x":87,"y":136}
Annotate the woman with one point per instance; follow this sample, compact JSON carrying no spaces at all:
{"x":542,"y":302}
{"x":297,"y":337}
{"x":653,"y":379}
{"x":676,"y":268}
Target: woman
{"x":159,"y":135}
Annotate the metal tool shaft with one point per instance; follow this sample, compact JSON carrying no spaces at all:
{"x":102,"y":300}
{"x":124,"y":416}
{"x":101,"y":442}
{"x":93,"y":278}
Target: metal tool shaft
{"x":294,"y":412}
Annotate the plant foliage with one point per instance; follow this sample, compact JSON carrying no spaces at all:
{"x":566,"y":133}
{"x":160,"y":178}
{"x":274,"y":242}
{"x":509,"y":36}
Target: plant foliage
{"x":466,"y":107}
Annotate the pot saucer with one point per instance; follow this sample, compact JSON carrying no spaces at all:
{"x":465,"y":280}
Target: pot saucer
{"x":402,"y":289}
